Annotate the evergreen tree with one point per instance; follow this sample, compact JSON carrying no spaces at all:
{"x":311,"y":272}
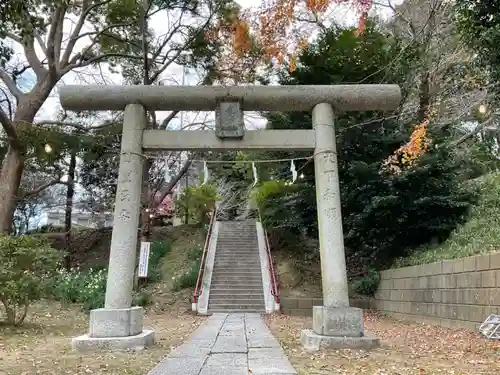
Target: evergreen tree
{"x":385,"y":214}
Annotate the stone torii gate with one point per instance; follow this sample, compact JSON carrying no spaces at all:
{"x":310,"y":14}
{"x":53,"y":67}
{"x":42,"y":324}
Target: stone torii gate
{"x":119,"y":325}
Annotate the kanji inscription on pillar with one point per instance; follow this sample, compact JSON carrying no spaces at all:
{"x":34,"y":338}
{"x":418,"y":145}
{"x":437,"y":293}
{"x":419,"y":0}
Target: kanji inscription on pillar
{"x":229,"y":120}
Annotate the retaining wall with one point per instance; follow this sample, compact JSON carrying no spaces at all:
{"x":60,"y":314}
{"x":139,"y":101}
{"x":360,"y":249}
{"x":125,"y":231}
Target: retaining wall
{"x":302,"y":306}
{"x":458,"y":293}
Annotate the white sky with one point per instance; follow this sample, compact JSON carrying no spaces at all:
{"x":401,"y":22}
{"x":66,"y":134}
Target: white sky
{"x":173,"y":75}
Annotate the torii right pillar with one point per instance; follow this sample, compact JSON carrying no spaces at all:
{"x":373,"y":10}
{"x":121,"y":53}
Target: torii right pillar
{"x":335,"y":324}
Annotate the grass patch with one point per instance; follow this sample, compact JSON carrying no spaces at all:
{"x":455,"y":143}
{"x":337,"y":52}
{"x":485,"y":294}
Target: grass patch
{"x":479,"y":235}
{"x":42,"y":345}
{"x":188,"y":278}
{"x":181,"y":265}
{"x":158,"y":251}
{"x":88,"y":287}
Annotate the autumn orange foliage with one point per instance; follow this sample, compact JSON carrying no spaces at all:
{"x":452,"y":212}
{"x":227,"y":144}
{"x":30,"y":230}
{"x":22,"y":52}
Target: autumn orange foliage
{"x":408,"y":154}
{"x":277,"y":28}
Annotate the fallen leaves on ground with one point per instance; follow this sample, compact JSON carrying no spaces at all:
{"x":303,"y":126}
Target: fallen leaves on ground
{"x":407,"y":348}
{"x":42,"y":345}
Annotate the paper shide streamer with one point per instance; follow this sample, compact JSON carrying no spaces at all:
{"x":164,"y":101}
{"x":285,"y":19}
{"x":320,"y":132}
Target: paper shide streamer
{"x":205,"y":173}
{"x":294,"y":172}
{"x":255,"y":177}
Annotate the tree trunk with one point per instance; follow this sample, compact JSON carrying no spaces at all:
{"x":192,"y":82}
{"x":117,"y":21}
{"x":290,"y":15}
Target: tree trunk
{"x":13,"y":163}
{"x":424,"y":97}
{"x":10,"y":178}
{"x":70,"y":192}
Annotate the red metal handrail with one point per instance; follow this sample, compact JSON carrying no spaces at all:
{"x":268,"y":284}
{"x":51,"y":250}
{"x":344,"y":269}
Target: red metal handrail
{"x":274,"y":281}
{"x":203,"y":257}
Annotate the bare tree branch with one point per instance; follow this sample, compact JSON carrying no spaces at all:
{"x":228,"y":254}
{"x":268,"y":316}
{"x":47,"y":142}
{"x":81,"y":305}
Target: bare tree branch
{"x":52,"y":38}
{"x":169,"y":61}
{"x":7,"y":124}
{"x":9,"y":128}
{"x":74,"y":64}
{"x":175,"y":180}
{"x":75,"y":125}
{"x":29,"y":52}
{"x":170,"y":117}
{"x":9,"y":103}
{"x":474,"y":132}
{"x":42,"y":187}
{"x":11,"y":85}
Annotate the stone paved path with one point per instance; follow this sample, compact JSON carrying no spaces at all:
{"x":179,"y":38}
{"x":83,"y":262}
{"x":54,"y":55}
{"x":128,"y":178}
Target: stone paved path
{"x":228,"y":344}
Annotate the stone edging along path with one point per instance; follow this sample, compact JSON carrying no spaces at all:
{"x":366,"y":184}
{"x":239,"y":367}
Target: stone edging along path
{"x":228,"y":344}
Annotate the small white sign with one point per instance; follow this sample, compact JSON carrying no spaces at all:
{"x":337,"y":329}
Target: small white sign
{"x":144,"y":259}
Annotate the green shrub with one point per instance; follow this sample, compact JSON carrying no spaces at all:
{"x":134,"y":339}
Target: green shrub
{"x":142,"y":299}
{"x":188,"y":278}
{"x":157,"y":252}
{"x":366,"y":285}
{"x":478,"y":235}
{"x":196,"y":203}
{"x":194,"y":253}
{"x":26,"y":264}
{"x":87,"y":288}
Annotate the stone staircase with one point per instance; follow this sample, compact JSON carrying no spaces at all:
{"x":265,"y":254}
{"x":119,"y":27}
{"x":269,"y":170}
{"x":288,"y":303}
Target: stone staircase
{"x":236,"y":284}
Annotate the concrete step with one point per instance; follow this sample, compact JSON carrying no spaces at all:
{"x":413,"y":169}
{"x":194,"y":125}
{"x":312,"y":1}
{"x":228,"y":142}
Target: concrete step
{"x":218,"y":284}
{"x":236,"y":277}
{"x":239,"y":293}
{"x":224,"y":272}
{"x":228,"y":311}
{"x":237,"y":249}
{"x":231,"y":272}
{"x":217,"y":298}
{"x":254,"y":266}
{"x":237,"y":280}
{"x":238,"y":238}
{"x":228,"y":261}
{"x":237,"y":268}
{"x":236,"y":289}
{"x":252,"y":254}
{"x":220,"y":306}
{"x":235,"y":300}
{"x":244,"y":232}
{"x":238,"y":263}
{"x":234,"y":260}
{"x":240,"y":247}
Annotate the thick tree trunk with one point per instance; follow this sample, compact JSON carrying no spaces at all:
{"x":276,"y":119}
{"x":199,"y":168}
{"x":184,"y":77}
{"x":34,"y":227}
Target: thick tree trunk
{"x":10,"y":178}
{"x":70,"y":192}
{"x":13,"y":163}
{"x":424,"y":97}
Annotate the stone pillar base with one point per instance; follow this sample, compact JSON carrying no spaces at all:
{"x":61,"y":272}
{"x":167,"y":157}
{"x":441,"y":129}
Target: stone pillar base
{"x":85,"y":343}
{"x":337,"y":327}
{"x":313,"y":342}
{"x":115,"y":329}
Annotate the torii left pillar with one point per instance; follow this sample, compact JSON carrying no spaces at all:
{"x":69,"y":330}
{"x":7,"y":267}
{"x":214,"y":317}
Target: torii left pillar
{"x":119,"y":325}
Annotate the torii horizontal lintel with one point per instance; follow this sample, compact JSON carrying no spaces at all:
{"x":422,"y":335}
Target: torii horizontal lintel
{"x":343,"y":98}
{"x":262,"y":140}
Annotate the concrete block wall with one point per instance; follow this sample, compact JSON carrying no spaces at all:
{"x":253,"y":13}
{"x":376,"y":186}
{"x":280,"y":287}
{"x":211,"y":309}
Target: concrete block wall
{"x":457,"y":293}
{"x":302,"y":306}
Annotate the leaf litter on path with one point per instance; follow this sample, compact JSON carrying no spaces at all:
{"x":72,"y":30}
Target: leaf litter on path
{"x":407,"y":348}
{"x":42,"y":346}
